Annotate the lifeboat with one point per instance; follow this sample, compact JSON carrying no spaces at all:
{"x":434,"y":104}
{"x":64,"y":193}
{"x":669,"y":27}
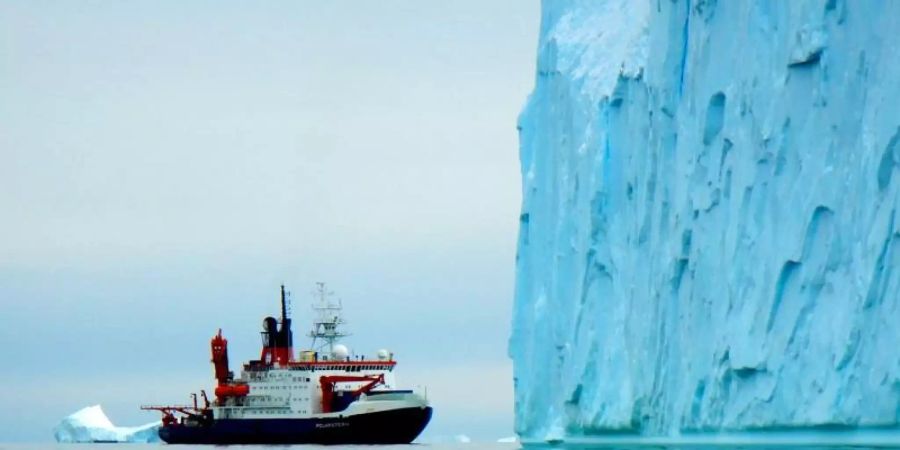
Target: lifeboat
{"x":232,"y":390}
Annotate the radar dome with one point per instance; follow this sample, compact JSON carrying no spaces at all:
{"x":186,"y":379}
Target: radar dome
{"x":383,"y":354}
{"x":340,"y":352}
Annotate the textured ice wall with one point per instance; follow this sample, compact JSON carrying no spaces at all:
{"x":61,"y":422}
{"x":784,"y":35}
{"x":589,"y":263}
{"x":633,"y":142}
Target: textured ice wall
{"x":710,"y":237}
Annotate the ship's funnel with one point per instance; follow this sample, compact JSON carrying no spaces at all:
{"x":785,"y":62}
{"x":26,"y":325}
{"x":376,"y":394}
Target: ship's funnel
{"x":278,"y":341}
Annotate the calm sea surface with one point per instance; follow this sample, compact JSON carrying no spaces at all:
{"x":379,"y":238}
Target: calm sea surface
{"x":467,"y":446}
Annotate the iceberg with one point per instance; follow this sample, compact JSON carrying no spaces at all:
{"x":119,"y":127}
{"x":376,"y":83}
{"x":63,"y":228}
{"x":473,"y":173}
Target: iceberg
{"x":709,"y":239}
{"x":90,"y":424}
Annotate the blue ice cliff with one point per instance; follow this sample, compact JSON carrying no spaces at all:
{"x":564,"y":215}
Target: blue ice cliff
{"x":710,"y":231}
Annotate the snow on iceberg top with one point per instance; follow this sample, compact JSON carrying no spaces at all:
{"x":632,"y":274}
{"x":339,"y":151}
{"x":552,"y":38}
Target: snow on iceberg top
{"x":91,"y":424}
{"x":595,"y":44}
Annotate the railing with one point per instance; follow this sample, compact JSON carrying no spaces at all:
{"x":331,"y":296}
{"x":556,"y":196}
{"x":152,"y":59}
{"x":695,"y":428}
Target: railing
{"x":349,"y":366}
{"x":162,"y":407}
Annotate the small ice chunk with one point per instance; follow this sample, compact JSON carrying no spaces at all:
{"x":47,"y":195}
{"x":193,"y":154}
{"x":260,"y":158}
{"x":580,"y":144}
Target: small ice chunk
{"x":90,"y":424}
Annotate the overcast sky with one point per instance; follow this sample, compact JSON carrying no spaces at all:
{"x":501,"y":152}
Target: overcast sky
{"x":164,"y":166}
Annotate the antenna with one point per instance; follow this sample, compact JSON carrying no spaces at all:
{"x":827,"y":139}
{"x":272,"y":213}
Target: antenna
{"x":328,"y":319}
{"x":283,"y":304}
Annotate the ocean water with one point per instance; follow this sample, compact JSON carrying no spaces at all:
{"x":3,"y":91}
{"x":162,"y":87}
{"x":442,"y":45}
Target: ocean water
{"x":449,"y":446}
{"x":481,"y":446}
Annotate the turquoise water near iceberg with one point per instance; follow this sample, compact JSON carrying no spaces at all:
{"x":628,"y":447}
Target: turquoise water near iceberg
{"x":870,"y":441}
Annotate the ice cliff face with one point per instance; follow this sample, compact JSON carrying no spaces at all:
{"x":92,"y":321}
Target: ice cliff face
{"x":710,"y":236}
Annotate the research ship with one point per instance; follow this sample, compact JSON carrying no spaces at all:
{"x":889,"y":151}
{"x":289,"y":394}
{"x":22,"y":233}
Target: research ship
{"x":325,"y":395}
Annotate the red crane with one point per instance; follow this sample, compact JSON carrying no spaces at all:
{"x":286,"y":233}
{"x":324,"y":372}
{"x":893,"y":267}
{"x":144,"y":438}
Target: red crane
{"x":328,"y":382}
{"x":219,"y":348}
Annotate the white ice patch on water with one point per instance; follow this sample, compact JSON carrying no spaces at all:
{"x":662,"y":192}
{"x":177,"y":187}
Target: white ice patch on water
{"x":90,"y":424}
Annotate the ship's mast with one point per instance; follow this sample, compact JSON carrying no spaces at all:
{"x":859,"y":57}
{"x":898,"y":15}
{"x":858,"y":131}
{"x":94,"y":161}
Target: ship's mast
{"x":326,"y":326}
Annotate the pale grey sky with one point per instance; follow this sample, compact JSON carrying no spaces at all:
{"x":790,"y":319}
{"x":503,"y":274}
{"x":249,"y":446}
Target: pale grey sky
{"x":165,"y":165}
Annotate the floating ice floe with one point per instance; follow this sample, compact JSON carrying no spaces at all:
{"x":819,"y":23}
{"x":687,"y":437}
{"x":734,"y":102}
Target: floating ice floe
{"x":90,"y":425}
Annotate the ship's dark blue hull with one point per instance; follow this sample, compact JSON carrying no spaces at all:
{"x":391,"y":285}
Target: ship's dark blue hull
{"x":399,"y":426}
